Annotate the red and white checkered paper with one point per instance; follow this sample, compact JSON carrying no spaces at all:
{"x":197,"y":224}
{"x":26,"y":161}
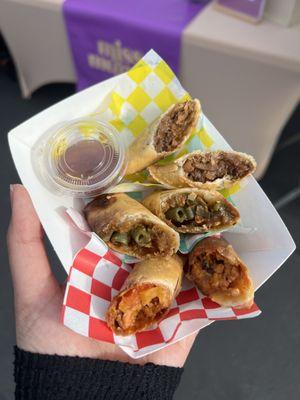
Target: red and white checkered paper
{"x":97,"y":275}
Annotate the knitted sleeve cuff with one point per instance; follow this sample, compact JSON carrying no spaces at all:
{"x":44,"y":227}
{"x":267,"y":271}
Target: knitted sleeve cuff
{"x":47,"y":377}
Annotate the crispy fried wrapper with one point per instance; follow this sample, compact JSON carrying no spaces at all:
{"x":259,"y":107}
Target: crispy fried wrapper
{"x":204,"y":169}
{"x":192,"y":210}
{"x":146,"y":296}
{"x":220,"y":274}
{"x":164,"y":136}
{"x":130,"y":228}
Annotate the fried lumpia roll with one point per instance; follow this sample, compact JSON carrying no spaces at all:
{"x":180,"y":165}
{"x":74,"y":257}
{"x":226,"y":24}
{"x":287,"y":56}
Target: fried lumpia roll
{"x":128,"y":227}
{"x":220,"y":274}
{"x":164,"y":136}
{"x":146,"y":296}
{"x":204,"y":169}
{"x":192,"y":210}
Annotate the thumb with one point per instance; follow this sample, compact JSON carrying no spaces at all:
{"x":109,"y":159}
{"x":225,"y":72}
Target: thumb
{"x":30,"y":268}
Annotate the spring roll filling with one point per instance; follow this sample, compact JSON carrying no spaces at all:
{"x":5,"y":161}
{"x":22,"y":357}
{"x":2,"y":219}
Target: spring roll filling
{"x":145,"y":238}
{"x":212,"y":272}
{"x":192,"y":210}
{"x":139,"y":306}
{"x":172,"y":128}
{"x":208,"y":167}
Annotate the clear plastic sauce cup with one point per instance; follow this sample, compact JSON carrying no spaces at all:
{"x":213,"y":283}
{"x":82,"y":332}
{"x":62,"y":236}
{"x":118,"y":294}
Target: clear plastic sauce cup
{"x":81,"y":158}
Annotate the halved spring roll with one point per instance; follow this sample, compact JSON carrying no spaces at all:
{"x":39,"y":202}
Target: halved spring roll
{"x":130,"y":228}
{"x":146,"y":296}
{"x":220,"y":274}
{"x":192,"y":210}
{"x":205,"y":170}
{"x":164,"y":136}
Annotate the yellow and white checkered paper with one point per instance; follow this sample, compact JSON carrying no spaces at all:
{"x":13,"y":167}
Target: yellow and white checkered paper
{"x":139,"y":97}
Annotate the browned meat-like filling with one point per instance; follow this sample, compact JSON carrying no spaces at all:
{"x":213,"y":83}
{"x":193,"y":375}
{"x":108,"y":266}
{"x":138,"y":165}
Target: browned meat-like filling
{"x":211,"y":166}
{"x":212,"y":272}
{"x":172,"y":128}
{"x":144,"y":239}
{"x":138,"y":308}
{"x":192,"y":210}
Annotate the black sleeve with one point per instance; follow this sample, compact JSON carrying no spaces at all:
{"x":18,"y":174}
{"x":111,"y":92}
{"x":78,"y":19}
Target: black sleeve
{"x":45,"y":377}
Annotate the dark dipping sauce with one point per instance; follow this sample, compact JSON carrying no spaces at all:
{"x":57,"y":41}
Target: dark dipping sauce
{"x":88,"y":159}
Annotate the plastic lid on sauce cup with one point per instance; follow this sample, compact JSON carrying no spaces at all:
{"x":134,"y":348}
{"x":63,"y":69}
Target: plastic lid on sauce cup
{"x":81,"y":158}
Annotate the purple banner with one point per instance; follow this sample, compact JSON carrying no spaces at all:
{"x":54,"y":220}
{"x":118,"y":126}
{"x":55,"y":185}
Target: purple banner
{"x":107,"y":37}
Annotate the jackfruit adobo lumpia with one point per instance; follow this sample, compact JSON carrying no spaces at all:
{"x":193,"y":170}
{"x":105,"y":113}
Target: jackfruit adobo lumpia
{"x":204,"y":169}
{"x":164,"y":136}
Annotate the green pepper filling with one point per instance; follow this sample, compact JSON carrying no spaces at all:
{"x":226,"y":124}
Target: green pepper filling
{"x":139,"y":235}
{"x":176,"y":214}
{"x":122,"y":238}
{"x":198,"y":212}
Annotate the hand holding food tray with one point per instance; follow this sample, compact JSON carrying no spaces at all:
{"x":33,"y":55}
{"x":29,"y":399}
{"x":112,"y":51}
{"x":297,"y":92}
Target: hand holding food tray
{"x":182,"y":181}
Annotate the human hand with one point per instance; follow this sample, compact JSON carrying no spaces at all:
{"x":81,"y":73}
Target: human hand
{"x":38,"y":298}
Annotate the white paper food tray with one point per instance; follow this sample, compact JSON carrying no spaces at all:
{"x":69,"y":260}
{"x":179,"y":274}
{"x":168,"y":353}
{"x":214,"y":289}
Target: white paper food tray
{"x":264,"y":250}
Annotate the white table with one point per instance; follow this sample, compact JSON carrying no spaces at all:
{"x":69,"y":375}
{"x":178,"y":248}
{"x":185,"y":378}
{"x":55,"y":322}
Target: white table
{"x":247,"y":76}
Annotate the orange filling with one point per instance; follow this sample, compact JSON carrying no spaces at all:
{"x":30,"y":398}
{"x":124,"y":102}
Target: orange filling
{"x":137,"y":308}
{"x":213,"y":273}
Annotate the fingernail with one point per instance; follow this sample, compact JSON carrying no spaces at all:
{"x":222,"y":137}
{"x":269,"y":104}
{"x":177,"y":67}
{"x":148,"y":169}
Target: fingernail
{"x":11,"y":189}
